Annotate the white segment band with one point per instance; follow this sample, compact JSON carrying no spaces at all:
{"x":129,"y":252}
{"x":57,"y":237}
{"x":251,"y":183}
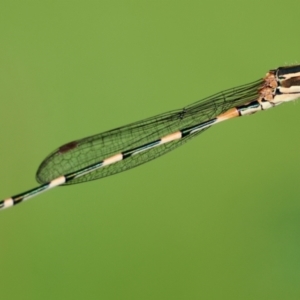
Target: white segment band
{"x":57,"y":181}
{"x":8,"y":203}
{"x":171,"y":137}
{"x":112,"y":159}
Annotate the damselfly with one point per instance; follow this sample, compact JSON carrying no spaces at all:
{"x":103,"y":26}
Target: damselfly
{"x":126,"y":147}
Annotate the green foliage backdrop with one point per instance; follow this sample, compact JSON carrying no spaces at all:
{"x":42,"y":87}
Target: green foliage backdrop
{"x":216,"y":219}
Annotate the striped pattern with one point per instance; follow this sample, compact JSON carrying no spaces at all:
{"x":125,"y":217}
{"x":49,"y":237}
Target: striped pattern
{"x":280,"y":85}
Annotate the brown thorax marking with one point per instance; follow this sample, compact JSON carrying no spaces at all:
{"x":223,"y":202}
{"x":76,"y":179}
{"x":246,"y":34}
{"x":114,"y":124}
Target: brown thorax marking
{"x":266,"y":93}
{"x":268,"y":88}
{"x":290,"y":82}
{"x":270,"y":80}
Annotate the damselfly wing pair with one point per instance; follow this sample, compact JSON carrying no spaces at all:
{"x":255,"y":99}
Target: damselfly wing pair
{"x":126,"y":147}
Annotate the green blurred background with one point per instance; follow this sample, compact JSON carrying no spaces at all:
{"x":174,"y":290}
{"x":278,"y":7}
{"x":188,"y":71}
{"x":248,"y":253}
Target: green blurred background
{"x":216,"y":219}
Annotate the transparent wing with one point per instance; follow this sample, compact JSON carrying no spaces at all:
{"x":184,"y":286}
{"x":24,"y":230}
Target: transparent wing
{"x":79,"y":154}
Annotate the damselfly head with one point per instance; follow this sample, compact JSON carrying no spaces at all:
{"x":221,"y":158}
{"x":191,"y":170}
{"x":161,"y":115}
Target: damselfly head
{"x":284,"y":83}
